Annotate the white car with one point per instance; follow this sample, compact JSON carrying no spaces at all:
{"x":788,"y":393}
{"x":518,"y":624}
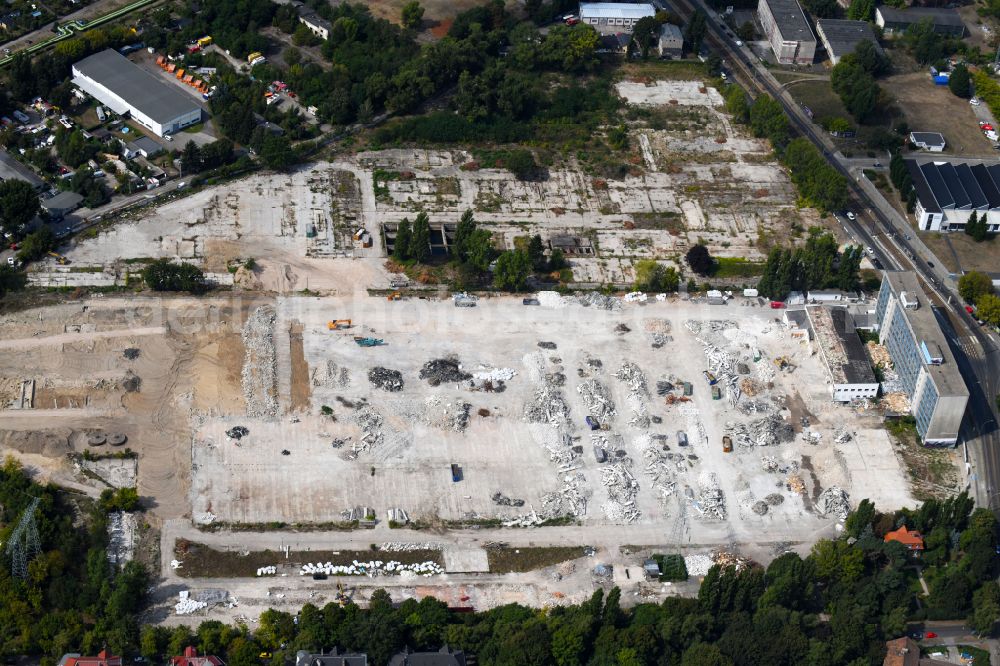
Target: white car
{"x":851,"y":216}
{"x":739,"y":43}
{"x":974,"y":101}
{"x":870,"y":251}
{"x":11,"y":261}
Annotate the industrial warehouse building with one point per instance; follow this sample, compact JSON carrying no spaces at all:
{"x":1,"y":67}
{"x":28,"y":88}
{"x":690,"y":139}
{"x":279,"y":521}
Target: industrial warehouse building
{"x":948,"y":193}
{"x":921,"y":357}
{"x":850,"y":371}
{"x":127,"y":89}
{"x":945,"y":21}
{"x":619,"y":16}
{"x":788,"y":30}
{"x":841,"y":37}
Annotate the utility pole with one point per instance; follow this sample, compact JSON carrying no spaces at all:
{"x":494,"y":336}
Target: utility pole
{"x":24,"y":544}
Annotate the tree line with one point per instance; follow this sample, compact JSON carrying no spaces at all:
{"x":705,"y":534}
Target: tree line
{"x":817,"y":265}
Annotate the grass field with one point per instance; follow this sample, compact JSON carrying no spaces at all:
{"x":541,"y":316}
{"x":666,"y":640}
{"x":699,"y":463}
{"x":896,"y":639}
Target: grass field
{"x":516,"y":560}
{"x":201,"y":561}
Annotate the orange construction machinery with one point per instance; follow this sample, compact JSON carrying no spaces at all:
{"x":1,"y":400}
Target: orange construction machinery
{"x":337,"y":324}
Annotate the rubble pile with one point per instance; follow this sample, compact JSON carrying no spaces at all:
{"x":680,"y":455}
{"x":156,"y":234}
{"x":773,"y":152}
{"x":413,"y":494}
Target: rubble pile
{"x":549,"y":406}
{"x":597,"y":399}
{"x":759,"y":507}
{"x":371,"y":568}
{"x":599,"y":300}
{"x":122,"y":529}
{"x":407,"y":547}
{"x":443,"y":370}
{"x":131,"y":353}
{"x":662,"y":468}
{"x":695,"y":428}
{"x":622,"y":490}
{"x":774,"y":499}
{"x":186,"y":605}
{"x":770,"y":430}
{"x":710,"y":501}
{"x":502,"y":500}
{"x":697,"y":565}
{"x":570,"y":500}
{"x":834,"y":500}
{"x":494,"y":375}
{"x":386,"y":379}
{"x":632,"y":376}
{"x":370,"y":422}
{"x":259,"y":375}
{"x":551,"y":299}
{"x":725,"y":559}
{"x":795,"y":484}
{"x":336,"y":376}
{"x":237,"y":432}
{"x":842,"y":436}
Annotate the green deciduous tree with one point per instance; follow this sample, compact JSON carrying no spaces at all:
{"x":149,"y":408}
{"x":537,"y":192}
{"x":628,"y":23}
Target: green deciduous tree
{"x":512,"y":270}
{"x":37,"y":244}
{"x":420,"y":239}
{"x":18,"y":205}
{"x":974,"y":284}
{"x":694,"y":32}
{"x":412,"y":14}
{"x":163,"y":275}
{"x":401,"y":243}
{"x":645,"y":34}
{"x":700,"y":260}
{"x":988,"y":309}
{"x":654,"y":276}
{"x":960,"y":82}
{"x":768,"y":120}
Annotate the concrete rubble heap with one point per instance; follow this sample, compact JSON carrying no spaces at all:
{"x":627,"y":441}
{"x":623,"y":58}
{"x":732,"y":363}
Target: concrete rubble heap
{"x":336,"y":376}
{"x":710,"y":501}
{"x":622,"y":490}
{"x":599,"y":300}
{"x":770,"y":430}
{"x":407,"y":547}
{"x":549,"y":406}
{"x":186,"y":605}
{"x":662,"y":468}
{"x":370,"y":422}
{"x":834,"y":500}
{"x":259,"y":376}
{"x":597,"y":399}
{"x":371,"y":568}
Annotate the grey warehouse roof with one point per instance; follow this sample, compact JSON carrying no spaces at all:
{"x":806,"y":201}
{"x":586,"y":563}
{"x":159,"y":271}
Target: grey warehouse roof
{"x":791,"y":20}
{"x":141,"y":89}
{"x":630,"y":10}
{"x":63,"y":201}
{"x":928,"y":138}
{"x":843,"y":36}
{"x":940,"y":16}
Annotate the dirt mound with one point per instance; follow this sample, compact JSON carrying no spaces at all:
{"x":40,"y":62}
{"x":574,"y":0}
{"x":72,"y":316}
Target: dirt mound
{"x":49,"y":443}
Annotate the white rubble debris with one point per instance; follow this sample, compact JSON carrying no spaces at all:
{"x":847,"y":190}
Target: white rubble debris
{"x":697,"y":565}
{"x":187,"y":605}
{"x":267,"y":571}
{"x":834,"y":500}
{"x":259,"y":376}
{"x":371,"y":568}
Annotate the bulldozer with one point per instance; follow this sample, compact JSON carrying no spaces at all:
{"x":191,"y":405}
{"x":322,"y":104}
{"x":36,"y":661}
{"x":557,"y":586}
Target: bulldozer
{"x":337,"y":324}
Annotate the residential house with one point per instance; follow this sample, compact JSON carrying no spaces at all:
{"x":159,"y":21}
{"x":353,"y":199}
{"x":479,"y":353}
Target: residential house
{"x":912,"y":539}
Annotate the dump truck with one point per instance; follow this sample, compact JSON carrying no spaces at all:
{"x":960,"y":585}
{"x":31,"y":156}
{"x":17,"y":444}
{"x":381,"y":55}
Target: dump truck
{"x":727,"y":444}
{"x":336,"y":324}
{"x":592,"y":423}
{"x":682,"y":438}
{"x":456,"y":473}
{"x":716,"y":392}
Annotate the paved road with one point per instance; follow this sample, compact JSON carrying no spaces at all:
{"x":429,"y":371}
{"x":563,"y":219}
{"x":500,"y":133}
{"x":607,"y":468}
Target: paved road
{"x":881,"y":227}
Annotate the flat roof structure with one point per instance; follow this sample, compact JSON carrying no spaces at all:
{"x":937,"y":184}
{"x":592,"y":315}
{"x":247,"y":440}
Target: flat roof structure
{"x":946,"y":185}
{"x":616,"y":10}
{"x":840,"y":345}
{"x":928,"y":138}
{"x":841,"y":37}
{"x":125,"y":87}
{"x":924,"y":325}
{"x":791,"y":20}
{"x":940,"y":16}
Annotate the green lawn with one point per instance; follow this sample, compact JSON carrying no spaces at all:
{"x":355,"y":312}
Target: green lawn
{"x":820,"y":98}
{"x":733,"y":267}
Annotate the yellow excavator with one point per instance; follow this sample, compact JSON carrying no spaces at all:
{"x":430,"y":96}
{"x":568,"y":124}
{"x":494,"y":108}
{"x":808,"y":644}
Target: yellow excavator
{"x":337,"y":324}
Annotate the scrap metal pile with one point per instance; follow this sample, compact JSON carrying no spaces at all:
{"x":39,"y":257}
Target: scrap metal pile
{"x":662,"y":468}
{"x":633,"y":377}
{"x":370,"y":421}
{"x":386,"y":379}
{"x":443,"y":370}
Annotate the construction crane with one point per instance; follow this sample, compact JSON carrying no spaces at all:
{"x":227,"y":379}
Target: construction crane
{"x":336,"y":324}
{"x":24,"y":544}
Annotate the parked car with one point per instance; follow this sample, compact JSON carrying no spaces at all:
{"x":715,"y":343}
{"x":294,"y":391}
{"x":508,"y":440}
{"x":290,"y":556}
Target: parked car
{"x":851,"y":216}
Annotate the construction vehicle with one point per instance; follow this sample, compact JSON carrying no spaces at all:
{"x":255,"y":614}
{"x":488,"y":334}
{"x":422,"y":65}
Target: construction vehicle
{"x":716,"y":392}
{"x":727,"y":444}
{"x":342,"y":597}
{"x":338,"y":323}
{"x":781,"y":362}
{"x":592,"y":423}
{"x":712,"y":380}
{"x":456,"y":473}
{"x":368,"y":342}
{"x":59,"y":258}
{"x":204,"y":41}
{"x":394,"y":296}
